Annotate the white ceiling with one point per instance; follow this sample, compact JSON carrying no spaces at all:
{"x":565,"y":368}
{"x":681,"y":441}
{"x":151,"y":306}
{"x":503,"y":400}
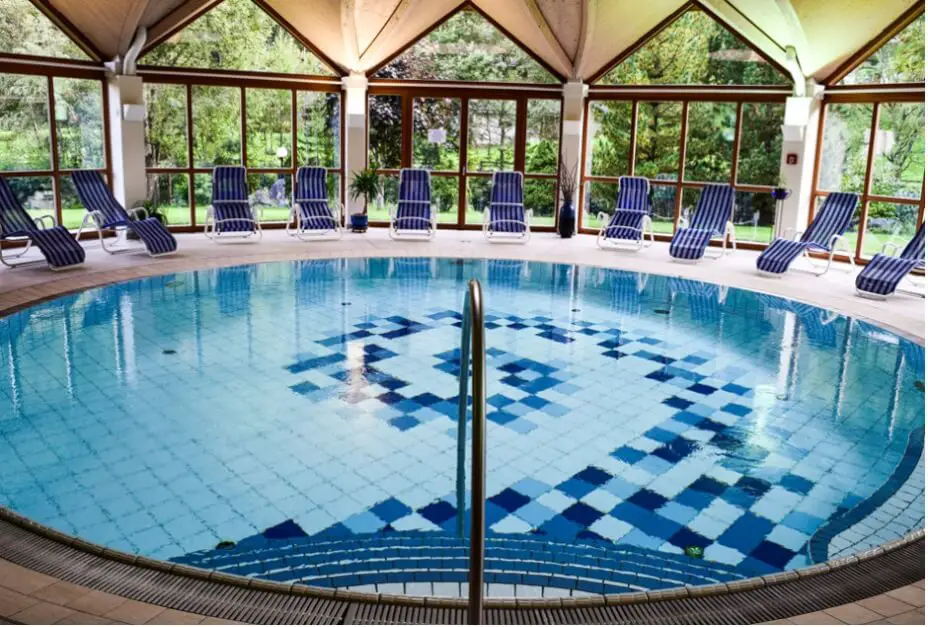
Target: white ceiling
{"x":575,"y":37}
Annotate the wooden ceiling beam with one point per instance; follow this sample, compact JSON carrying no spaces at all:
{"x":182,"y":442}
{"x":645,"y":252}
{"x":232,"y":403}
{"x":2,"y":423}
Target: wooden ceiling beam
{"x":587,"y":19}
{"x":349,"y":15}
{"x":131,"y":24}
{"x":555,"y":46}
{"x":176,"y":20}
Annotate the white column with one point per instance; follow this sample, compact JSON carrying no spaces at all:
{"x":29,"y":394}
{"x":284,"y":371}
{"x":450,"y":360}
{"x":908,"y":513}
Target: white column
{"x":355,"y":87}
{"x":800,"y":133}
{"x":572,"y":132}
{"x":127,"y":138}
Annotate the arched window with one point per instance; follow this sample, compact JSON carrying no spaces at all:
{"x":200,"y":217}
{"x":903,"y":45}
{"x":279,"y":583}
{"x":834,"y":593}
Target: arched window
{"x":236,"y":35}
{"x":900,"y":60}
{"x":26,"y":30}
{"x":466,"y":47}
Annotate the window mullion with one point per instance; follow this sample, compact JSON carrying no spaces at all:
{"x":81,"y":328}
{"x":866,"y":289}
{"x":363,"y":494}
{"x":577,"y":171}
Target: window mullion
{"x":868,"y":174}
{"x":53,"y":140}
{"x":192,"y":197}
{"x":681,"y":165}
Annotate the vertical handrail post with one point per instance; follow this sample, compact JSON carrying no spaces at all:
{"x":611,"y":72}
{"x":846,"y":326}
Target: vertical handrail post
{"x":462,"y":416}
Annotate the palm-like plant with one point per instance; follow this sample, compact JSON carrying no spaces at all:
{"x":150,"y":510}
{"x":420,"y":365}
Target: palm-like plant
{"x":365,"y":184}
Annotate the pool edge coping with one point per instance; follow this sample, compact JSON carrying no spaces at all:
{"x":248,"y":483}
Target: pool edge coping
{"x":239,"y":581}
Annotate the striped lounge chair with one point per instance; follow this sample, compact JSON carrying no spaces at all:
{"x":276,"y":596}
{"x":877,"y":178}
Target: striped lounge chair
{"x":626,"y":289}
{"x":231,"y":214}
{"x":712,"y":219}
{"x":315,"y":220}
{"x":705,"y":299}
{"x":414,"y":217}
{"x":506,"y":218}
{"x":632,"y":218}
{"x":58,"y":247}
{"x":105,"y":212}
{"x":882,"y":275}
{"x":824,"y":235}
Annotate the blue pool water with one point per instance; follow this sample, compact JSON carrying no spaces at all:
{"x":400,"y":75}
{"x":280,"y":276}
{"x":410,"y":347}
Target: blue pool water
{"x":644,"y":431}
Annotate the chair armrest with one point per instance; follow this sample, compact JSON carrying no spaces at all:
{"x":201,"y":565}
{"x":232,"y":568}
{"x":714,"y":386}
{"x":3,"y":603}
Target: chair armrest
{"x":889,"y":249}
{"x":603,"y":217}
{"x":40,"y":221}
{"x":138,"y":211}
{"x":529,"y":214}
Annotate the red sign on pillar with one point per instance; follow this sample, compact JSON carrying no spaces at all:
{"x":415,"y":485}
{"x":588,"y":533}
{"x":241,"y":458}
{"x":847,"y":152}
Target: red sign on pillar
{"x":792,"y":158}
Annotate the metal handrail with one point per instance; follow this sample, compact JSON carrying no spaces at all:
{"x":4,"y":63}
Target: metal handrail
{"x":473,"y":341}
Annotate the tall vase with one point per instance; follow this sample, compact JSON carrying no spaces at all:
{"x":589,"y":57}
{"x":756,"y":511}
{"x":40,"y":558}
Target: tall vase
{"x":567,"y":220}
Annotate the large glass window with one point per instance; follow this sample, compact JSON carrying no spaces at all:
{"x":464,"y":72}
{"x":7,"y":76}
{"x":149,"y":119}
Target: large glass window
{"x":466,"y":47}
{"x":79,"y":121}
{"x":170,"y":195}
{"x":25,"y":30}
{"x":385,"y":132}
{"x":319,"y":128}
{"x":268,"y":120}
{"x":761,"y":143}
{"x":24,"y":124}
{"x":657,"y":141}
{"x":165,"y":125}
{"x":436,"y":133}
{"x":710,"y":141}
{"x":609,"y":137}
{"x":236,"y":35}
{"x":217,"y":130}
{"x":491,"y":129}
{"x":844,"y":147}
{"x":543,"y":136}
{"x":695,"y":49}
{"x":900,"y":60}
{"x":899,"y":150}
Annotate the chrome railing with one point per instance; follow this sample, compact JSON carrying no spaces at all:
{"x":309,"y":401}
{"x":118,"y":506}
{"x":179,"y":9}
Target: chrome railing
{"x":473,"y":342}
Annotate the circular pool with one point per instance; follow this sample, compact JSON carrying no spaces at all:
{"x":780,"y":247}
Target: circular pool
{"x":298,"y":422}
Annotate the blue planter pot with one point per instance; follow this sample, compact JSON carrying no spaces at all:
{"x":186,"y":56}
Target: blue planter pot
{"x":566,"y":220}
{"x":781,"y":193}
{"x":358,"y":223}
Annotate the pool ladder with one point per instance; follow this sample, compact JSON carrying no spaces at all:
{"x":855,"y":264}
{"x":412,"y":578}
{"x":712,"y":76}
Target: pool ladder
{"x":473,"y":343}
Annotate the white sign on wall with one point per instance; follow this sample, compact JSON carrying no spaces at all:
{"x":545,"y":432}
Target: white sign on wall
{"x":437,"y":135}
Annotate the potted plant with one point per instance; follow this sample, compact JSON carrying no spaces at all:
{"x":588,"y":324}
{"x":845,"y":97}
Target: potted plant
{"x":366,"y":185}
{"x":567,"y":217}
{"x":781,"y":191}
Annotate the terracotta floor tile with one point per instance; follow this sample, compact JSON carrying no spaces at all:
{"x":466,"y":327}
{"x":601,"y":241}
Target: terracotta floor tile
{"x":61,"y":593}
{"x":42,"y":614}
{"x":80,"y":618}
{"x":175,"y":617}
{"x":134,"y":612}
{"x":853,"y":614}
{"x":19,"y":579}
{"x":96,"y":602}
{"x":885,"y":605}
{"x":909,"y":594}
{"x":815,"y":618}
{"x":915,"y":617}
{"x":12,"y":602}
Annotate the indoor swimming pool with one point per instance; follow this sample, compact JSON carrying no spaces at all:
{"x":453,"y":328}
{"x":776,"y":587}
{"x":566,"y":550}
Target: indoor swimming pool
{"x":298,"y":422}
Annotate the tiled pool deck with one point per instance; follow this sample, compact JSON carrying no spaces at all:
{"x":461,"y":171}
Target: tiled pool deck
{"x":903,"y":313}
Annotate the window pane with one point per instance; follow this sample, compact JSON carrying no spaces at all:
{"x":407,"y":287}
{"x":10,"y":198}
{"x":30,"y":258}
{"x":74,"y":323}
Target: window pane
{"x":543,"y":136}
{"x":203,"y":194}
{"x":694,"y":49}
{"x":271,"y":194}
{"x":334,"y":187}
{"x":888,"y":222}
{"x":170,"y":195}
{"x":844,"y":147}
{"x":466,"y":47}
{"x":541,"y":198}
{"x":24,"y":134}
{"x":385,"y":131}
{"x":899,"y":151}
{"x":598,"y":197}
{"x":267,"y":124}
{"x":478,"y":197}
{"x":72,"y":211}
{"x":319,"y":120}
{"x":852,"y":231}
{"x":35,"y":193}
{"x":79,"y":119}
{"x":761,"y":143}
{"x":25,"y":30}
{"x":709,"y":142}
{"x":609,"y":130}
{"x":754,"y":216}
{"x":663,"y":201}
{"x":491,"y":128}
{"x":165,"y":126}
{"x":900,"y":60}
{"x":236,"y":35}
{"x":436,"y":137}
{"x":657,"y":150}
{"x":217,"y":126}
{"x":378,"y":210}
{"x":445,"y":198}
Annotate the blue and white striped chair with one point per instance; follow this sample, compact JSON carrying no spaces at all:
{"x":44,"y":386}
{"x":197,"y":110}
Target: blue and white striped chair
{"x":506,"y":219}
{"x":882,"y":275}
{"x":105,"y":212}
{"x":632,"y":218}
{"x":315,"y":220}
{"x":414,"y":217}
{"x":230,"y":213}
{"x":57,"y":245}
{"x":824,"y":235}
{"x":627,"y":289}
{"x":705,"y":299}
{"x":713,"y":219}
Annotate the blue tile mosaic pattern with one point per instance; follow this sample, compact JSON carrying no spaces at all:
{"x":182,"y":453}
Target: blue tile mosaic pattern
{"x":318,"y":400}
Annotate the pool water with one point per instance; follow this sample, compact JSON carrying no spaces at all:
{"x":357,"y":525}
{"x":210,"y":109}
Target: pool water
{"x":644,"y":431}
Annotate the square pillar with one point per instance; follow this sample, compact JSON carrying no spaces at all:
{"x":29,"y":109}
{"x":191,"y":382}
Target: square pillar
{"x":127,"y":139}
{"x":572,"y":131}
{"x":800,"y":135}
{"x":355,"y":88}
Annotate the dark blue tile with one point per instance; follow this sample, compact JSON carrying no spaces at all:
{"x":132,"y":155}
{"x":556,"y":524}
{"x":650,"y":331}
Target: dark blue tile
{"x":391,"y":398}
{"x":631,"y":513}
{"x":576,"y":488}
{"x":499,"y":401}
{"x":660,"y":435}
{"x":677,"y":402}
{"x":391,"y":510}
{"x":676,"y":450}
{"x":708,"y":485}
{"x":754,"y":487}
{"x":510,"y":500}
{"x":304,"y":388}
{"x":659,"y":527}
{"x":738,"y":497}
{"x":773,"y":554}
{"x":687,"y":417}
{"x":535,"y":402}
{"x":582,"y":514}
{"x":427,"y":399}
{"x":711,"y":425}
{"x":734,"y":388}
{"x":686,"y":537}
{"x":695,"y":360}
{"x":736,"y":409}
{"x":315,"y":362}
{"x":593,"y":475}
{"x":501,"y":417}
{"x":694,"y":499}
{"x":659,"y":375}
{"x":438,"y":512}
{"x":404,"y":423}
{"x":561,"y":528}
{"x":614,"y":354}
{"x":701,"y":388}
{"x":647,"y":499}
{"x":746,"y":533}
{"x":795,"y":483}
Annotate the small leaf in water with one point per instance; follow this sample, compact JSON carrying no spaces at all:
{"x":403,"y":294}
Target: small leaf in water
{"x":225,"y":544}
{"x":575,"y":310}
{"x":695,"y":552}
{"x":169,"y":351}
{"x":346,"y":303}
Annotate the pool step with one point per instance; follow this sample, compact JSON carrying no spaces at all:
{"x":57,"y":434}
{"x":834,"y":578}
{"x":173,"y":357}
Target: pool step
{"x":404,"y":557}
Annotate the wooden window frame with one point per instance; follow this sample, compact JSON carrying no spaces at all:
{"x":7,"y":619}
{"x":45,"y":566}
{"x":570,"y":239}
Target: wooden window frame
{"x":874,"y":100}
{"x":56,"y":172}
{"x":685,"y":98}
{"x":521,"y":97}
{"x":293,"y":86}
